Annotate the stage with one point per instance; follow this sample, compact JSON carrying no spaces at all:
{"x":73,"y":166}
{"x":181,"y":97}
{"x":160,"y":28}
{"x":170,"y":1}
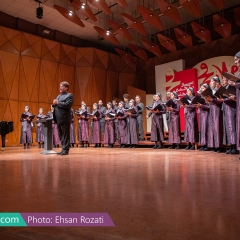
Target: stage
{"x":149,"y":194}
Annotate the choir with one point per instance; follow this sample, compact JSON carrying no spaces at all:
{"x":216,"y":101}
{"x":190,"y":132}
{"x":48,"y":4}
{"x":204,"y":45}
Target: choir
{"x":211,"y":115}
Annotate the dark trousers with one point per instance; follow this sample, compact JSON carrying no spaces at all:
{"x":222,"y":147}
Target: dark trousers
{"x":102,"y":128}
{"x":140,"y":128}
{"x":64,"y":135}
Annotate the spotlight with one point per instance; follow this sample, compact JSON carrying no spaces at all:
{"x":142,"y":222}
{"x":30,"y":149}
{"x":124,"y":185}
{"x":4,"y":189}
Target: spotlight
{"x":168,"y":7}
{"x":222,"y":24}
{"x":134,"y":22}
{"x":83,"y":6}
{"x":184,"y":36}
{"x":202,"y":31}
{"x":152,"y":46}
{"x":150,"y":15}
{"x":70,"y":13}
{"x":46,"y":32}
{"x":39,"y":12}
{"x":107,"y":33}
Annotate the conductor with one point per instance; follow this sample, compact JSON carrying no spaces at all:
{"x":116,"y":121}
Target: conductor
{"x":62,"y":115}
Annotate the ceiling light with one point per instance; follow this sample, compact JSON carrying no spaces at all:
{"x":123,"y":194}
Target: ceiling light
{"x":202,"y":31}
{"x":82,"y":6}
{"x":222,"y":24}
{"x":120,"y":28}
{"x":168,"y":7}
{"x":184,"y":36}
{"x":150,"y":15}
{"x":134,"y":21}
{"x":126,"y":54}
{"x":70,"y":13}
{"x":167,"y":41}
{"x":107,"y":33}
{"x":139,"y":50}
{"x":152,"y":46}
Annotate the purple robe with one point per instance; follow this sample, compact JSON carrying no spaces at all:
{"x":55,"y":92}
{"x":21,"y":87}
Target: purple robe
{"x":237,"y":86}
{"x":109,"y":129}
{"x":132,"y":128}
{"x":174,"y":134}
{"x":95,"y":131}
{"x":72,"y":129}
{"x":55,"y":138}
{"x":26,"y":132}
{"x":122,"y":128}
{"x":40,"y":130}
{"x":229,"y":121}
{"x":157,"y":129}
{"x":191,"y":125}
{"x":215,"y":124}
{"x":83,"y":128}
{"x":204,"y":112}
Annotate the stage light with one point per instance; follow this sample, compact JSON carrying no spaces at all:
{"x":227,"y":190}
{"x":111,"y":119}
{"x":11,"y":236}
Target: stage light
{"x":184,"y":36}
{"x":39,"y":12}
{"x":107,"y":33}
{"x":152,"y":46}
{"x":134,"y":22}
{"x":222,"y":24}
{"x":150,"y":15}
{"x":202,"y":31}
{"x":70,"y":13}
{"x":83,"y":6}
{"x":168,"y":7}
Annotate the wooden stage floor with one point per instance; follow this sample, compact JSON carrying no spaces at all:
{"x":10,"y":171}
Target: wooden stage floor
{"x":149,"y":194}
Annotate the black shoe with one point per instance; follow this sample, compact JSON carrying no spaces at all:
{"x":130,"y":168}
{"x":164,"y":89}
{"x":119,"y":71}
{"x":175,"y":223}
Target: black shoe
{"x":205,"y":149}
{"x":201,"y":149}
{"x":82,"y":146}
{"x":120,"y":146}
{"x":228,"y":151}
{"x":57,"y":146}
{"x":39,"y":145}
{"x":24,"y":147}
{"x":192,"y":148}
{"x":28,"y":146}
{"x":187,"y":148}
{"x":73,"y":145}
{"x":130,"y":146}
{"x":134,"y":146}
{"x":171,"y":147}
{"x":64,"y":153}
{"x":123,"y":146}
{"x":155,"y":146}
{"x":218,"y":150}
{"x":109,"y":146}
{"x":159,"y":146}
{"x":234,"y":151}
{"x":42,"y":145}
{"x":99,"y":145}
{"x":96,"y":145}
{"x":177,"y":147}
{"x":60,"y":152}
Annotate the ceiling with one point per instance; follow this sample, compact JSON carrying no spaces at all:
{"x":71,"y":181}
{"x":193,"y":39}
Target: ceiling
{"x":26,"y":9}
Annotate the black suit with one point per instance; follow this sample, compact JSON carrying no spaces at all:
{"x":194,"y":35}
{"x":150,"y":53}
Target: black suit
{"x":62,"y":117}
{"x":140,"y":121}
